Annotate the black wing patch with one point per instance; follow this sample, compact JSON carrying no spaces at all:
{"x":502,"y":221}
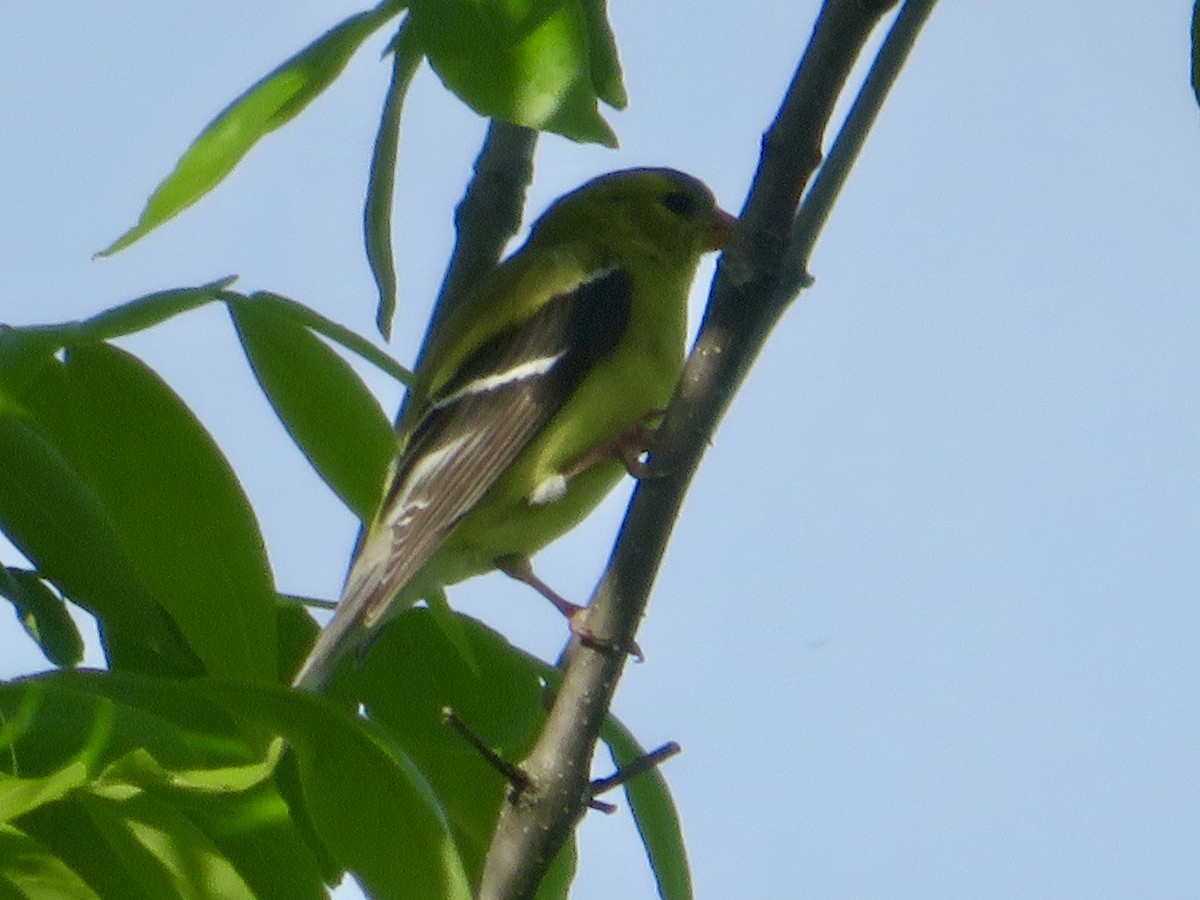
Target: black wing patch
{"x":515,"y":383}
{"x":501,"y":397}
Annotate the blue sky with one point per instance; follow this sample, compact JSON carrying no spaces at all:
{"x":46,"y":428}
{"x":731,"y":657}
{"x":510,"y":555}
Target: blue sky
{"x":928,"y":626}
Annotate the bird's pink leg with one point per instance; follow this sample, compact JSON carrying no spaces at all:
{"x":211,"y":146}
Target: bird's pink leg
{"x":520,"y":569}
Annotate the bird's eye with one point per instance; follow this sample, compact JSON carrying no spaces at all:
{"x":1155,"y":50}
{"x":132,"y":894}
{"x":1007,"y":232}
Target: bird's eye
{"x":680,"y":203}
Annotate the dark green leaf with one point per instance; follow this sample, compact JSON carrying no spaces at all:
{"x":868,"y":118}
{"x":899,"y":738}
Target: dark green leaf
{"x":322,"y":403}
{"x":66,"y":830}
{"x":25,"y":351}
{"x":297,"y":633}
{"x":377,"y":214}
{"x":104,"y":720}
{"x":316,"y":322}
{"x":452,"y":627}
{"x":179,"y":513}
{"x":412,"y":673}
{"x":20,"y":795}
{"x":58,"y":521}
{"x":122,"y":774}
{"x":44,"y":616}
{"x":255,"y":832}
{"x":127,"y":318}
{"x":369,"y":806}
{"x":145,"y":312}
{"x":31,"y":872}
{"x":272,"y":102}
{"x":291,"y":788}
{"x":602,"y":52}
{"x":560,"y":875}
{"x":159,"y":848}
{"x":539,"y":63}
{"x":655,"y":815}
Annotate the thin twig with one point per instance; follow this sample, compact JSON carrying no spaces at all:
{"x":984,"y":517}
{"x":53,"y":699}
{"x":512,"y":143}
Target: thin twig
{"x":511,"y":772}
{"x":313,"y":602}
{"x":634,"y":768}
{"x":819,"y":201}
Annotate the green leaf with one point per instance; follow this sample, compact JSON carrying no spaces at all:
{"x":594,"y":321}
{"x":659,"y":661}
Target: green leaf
{"x":655,"y":814}
{"x":369,"y":806}
{"x":560,"y":875}
{"x":255,"y":832}
{"x":141,"y":768}
{"x":66,"y":830}
{"x":58,"y":521}
{"x":19,"y":795}
{"x":291,"y":788}
{"x":539,"y":63}
{"x":452,"y":628}
{"x":297,"y":633}
{"x":413,"y":673}
{"x":144,"y":312}
{"x":122,"y":774}
{"x":377,"y":213}
{"x":44,"y":616}
{"x":181,"y":517}
{"x":126,"y":318}
{"x":160,"y":849}
{"x":24,"y":352}
{"x":322,"y":403}
{"x":127,"y":727}
{"x":275,"y":100}
{"x":355,"y":343}
{"x":29,"y":870}
{"x":602,"y":47}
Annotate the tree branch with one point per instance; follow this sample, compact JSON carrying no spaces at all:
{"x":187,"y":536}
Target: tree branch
{"x":749,"y":294}
{"x":486,"y":218}
{"x":827,"y":186}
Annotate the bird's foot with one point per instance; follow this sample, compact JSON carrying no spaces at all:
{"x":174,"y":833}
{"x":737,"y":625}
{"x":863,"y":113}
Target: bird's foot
{"x":520,"y":569}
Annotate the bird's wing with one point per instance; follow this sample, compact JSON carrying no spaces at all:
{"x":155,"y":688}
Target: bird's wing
{"x":498,"y":401}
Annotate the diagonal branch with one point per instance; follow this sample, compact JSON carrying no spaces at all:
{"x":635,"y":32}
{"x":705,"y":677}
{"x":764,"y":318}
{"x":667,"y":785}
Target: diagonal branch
{"x":827,"y":186}
{"x":750,"y":293}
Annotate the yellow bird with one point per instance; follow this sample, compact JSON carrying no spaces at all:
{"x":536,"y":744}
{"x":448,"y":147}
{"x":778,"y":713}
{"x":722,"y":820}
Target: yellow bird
{"x":534,"y":400}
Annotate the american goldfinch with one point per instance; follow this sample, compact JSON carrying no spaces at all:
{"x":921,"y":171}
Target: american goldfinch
{"x":535,"y":398}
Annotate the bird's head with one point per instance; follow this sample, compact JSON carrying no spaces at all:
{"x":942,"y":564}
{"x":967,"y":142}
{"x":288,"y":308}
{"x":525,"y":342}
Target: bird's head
{"x":663,"y":211}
